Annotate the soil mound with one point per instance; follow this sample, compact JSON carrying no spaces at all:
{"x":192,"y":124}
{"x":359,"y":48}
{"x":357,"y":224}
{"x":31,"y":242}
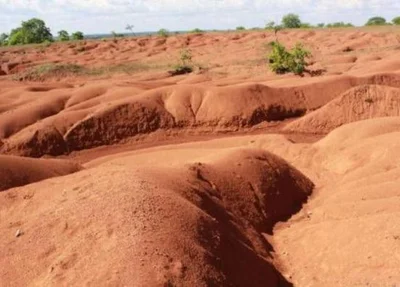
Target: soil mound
{"x":17,"y":171}
{"x":36,"y":141}
{"x":196,"y":224}
{"x":360,"y":103}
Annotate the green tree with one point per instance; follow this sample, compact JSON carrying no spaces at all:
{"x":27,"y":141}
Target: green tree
{"x":78,"y":35}
{"x":376,"y":21}
{"x":396,"y":21}
{"x":63,"y":36}
{"x":33,"y":31}
{"x":321,"y":25}
{"x":240,"y":28}
{"x":3,"y":39}
{"x":270,"y":25}
{"x":291,"y":21}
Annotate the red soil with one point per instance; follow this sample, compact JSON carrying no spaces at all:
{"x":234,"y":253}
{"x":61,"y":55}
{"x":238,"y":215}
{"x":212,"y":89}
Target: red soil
{"x":157,"y":206}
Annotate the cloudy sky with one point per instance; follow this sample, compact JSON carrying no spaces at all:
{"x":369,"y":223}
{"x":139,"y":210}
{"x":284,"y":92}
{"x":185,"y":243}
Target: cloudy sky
{"x":103,"y":16}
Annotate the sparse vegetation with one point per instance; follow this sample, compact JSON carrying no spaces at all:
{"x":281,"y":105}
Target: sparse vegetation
{"x":117,"y":35}
{"x":197,"y":31}
{"x":185,"y":63}
{"x":276,"y":28}
{"x":3,"y":39}
{"x":40,"y":73}
{"x":339,"y":25}
{"x":282,"y":61}
{"x":163,"y":33}
{"x":240,"y":28}
{"x":59,"y":71}
{"x":306,"y":26}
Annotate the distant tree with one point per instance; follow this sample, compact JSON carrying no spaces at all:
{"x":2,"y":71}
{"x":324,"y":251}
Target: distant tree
{"x":3,"y":39}
{"x":31,"y":32}
{"x":63,"y":36}
{"x":130,"y":28}
{"x":197,"y":31}
{"x":291,"y":21}
{"x":376,"y":21}
{"x":396,"y":21}
{"x":270,"y":25}
{"x":276,"y":28}
{"x":240,"y":28}
{"x":163,"y":33}
{"x":321,"y":25}
{"x":78,"y":35}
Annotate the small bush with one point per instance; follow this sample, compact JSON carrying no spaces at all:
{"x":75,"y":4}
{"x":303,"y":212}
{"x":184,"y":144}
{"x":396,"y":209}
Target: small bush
{"x":339,"y":25}
{"x":163,"y":33}
{"x":196,"y":31}
{"x":185,"y":65}
{"x":283,"y":61}
{"x":240,"y":28}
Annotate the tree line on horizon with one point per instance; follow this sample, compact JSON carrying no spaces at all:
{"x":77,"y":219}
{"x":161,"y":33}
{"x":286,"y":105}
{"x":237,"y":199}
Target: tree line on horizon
{"x":293,"y":21}
{"x":35,"y":31}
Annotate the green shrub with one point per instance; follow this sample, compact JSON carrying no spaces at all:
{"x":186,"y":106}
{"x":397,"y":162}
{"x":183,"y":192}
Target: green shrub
{"x":282,"y":61}
{"x":185,"y":63}
{"x":339,"y":25}
{"x":240,"y":28}
{"x":163,"y":33}
{"x":196,"y":31}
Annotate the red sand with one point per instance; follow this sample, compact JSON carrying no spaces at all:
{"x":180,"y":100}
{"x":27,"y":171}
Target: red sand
{"x":156,"y":206}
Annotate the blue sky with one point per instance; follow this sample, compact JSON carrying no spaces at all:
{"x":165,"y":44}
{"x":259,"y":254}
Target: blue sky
{"x":103,"y":16}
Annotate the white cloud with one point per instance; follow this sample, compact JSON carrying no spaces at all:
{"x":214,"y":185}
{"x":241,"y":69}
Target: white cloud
{"x":106,"y":15}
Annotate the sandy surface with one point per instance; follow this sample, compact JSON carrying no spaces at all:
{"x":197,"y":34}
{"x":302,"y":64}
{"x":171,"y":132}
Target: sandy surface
{"x":123,"y":175}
